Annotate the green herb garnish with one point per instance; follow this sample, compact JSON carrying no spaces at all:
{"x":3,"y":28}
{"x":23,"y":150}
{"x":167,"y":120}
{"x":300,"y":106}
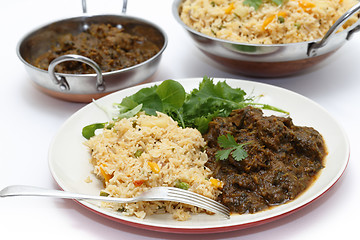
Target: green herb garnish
{"x":195,"y":109}
{"x":231,"y":147}
{"x":253,"y":3}
{"x":257,"y":3}
{"x":212,"y":100}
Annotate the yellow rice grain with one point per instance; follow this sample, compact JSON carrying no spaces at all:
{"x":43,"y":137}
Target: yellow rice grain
{"x":175,"y":154}
{"x":301,"y":20}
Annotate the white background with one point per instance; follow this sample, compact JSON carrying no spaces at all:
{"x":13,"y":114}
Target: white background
{"x":30,"y":119}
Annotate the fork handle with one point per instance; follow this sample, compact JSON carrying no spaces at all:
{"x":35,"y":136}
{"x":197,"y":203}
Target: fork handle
{"x":23,"y":190}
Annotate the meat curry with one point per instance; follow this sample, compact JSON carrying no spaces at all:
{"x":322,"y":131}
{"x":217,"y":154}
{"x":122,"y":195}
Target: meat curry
{"x":283,"y":159}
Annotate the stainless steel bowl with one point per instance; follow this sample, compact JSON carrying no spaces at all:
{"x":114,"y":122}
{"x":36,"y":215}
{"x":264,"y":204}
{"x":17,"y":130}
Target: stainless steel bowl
{"x":85,"y":87}
{"x":272,"y":60}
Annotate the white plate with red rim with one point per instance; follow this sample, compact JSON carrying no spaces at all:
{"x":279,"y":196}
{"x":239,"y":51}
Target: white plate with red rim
{"x":69,"y":159}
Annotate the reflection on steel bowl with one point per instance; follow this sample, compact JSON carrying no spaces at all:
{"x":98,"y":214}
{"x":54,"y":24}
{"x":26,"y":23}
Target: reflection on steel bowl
{"x":267,"y":40}
{"x":85,"y":87}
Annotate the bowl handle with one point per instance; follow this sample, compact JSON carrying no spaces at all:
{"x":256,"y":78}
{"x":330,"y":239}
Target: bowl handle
{"x":61,"y":80}
{"x":313,"y":47}
{"x":83,"y":2}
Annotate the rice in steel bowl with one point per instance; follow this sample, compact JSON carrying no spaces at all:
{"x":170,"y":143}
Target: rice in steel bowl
{"x":144,"y":151}
{"x":290,"y":22}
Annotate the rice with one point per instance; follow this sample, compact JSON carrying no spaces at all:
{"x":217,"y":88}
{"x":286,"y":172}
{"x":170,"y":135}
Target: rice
{"x":293,"y":21}
{"x":142,"y":152}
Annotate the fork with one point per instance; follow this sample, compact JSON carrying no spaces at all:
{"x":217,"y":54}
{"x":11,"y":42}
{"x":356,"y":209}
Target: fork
{"x":153,"y":194}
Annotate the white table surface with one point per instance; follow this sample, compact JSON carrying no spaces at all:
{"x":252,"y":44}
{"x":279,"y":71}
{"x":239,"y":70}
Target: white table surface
{"x":30,"y":120}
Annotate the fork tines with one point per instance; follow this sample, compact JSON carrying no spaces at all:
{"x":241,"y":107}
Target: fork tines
{"x":198,"y":200}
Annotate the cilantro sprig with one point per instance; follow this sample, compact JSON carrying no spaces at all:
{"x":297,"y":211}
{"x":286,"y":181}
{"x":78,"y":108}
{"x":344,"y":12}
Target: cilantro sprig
{"x":195,"y":109}
{"x":257,"y":3}
{"x":230,"y":147}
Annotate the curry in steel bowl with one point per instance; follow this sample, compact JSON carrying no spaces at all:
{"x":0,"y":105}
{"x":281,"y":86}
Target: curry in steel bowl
{"x":136,"y":49}
{"x":62,"y":56}
{"x":109,"y":46}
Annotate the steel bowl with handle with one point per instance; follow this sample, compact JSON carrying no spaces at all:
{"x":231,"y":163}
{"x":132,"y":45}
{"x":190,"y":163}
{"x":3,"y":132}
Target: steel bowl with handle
{"x":271,"y":60}
{"x":85,"y":87}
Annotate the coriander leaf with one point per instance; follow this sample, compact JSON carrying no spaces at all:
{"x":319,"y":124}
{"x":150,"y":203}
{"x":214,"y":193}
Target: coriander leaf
{"x":223,"y":154}
{"x":195,"y":109}
{"x":227,"y":92}
{"x":227,"y":141}
{"x":253,"y":3}
{"x":212,"y":100}
{"x":257,"y":3}
{"x":239,"y":153}
{"x":211,"y":97}
{"x":278,"y":2}
{"x":231,"y":147}
{"x":202,"y":123}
